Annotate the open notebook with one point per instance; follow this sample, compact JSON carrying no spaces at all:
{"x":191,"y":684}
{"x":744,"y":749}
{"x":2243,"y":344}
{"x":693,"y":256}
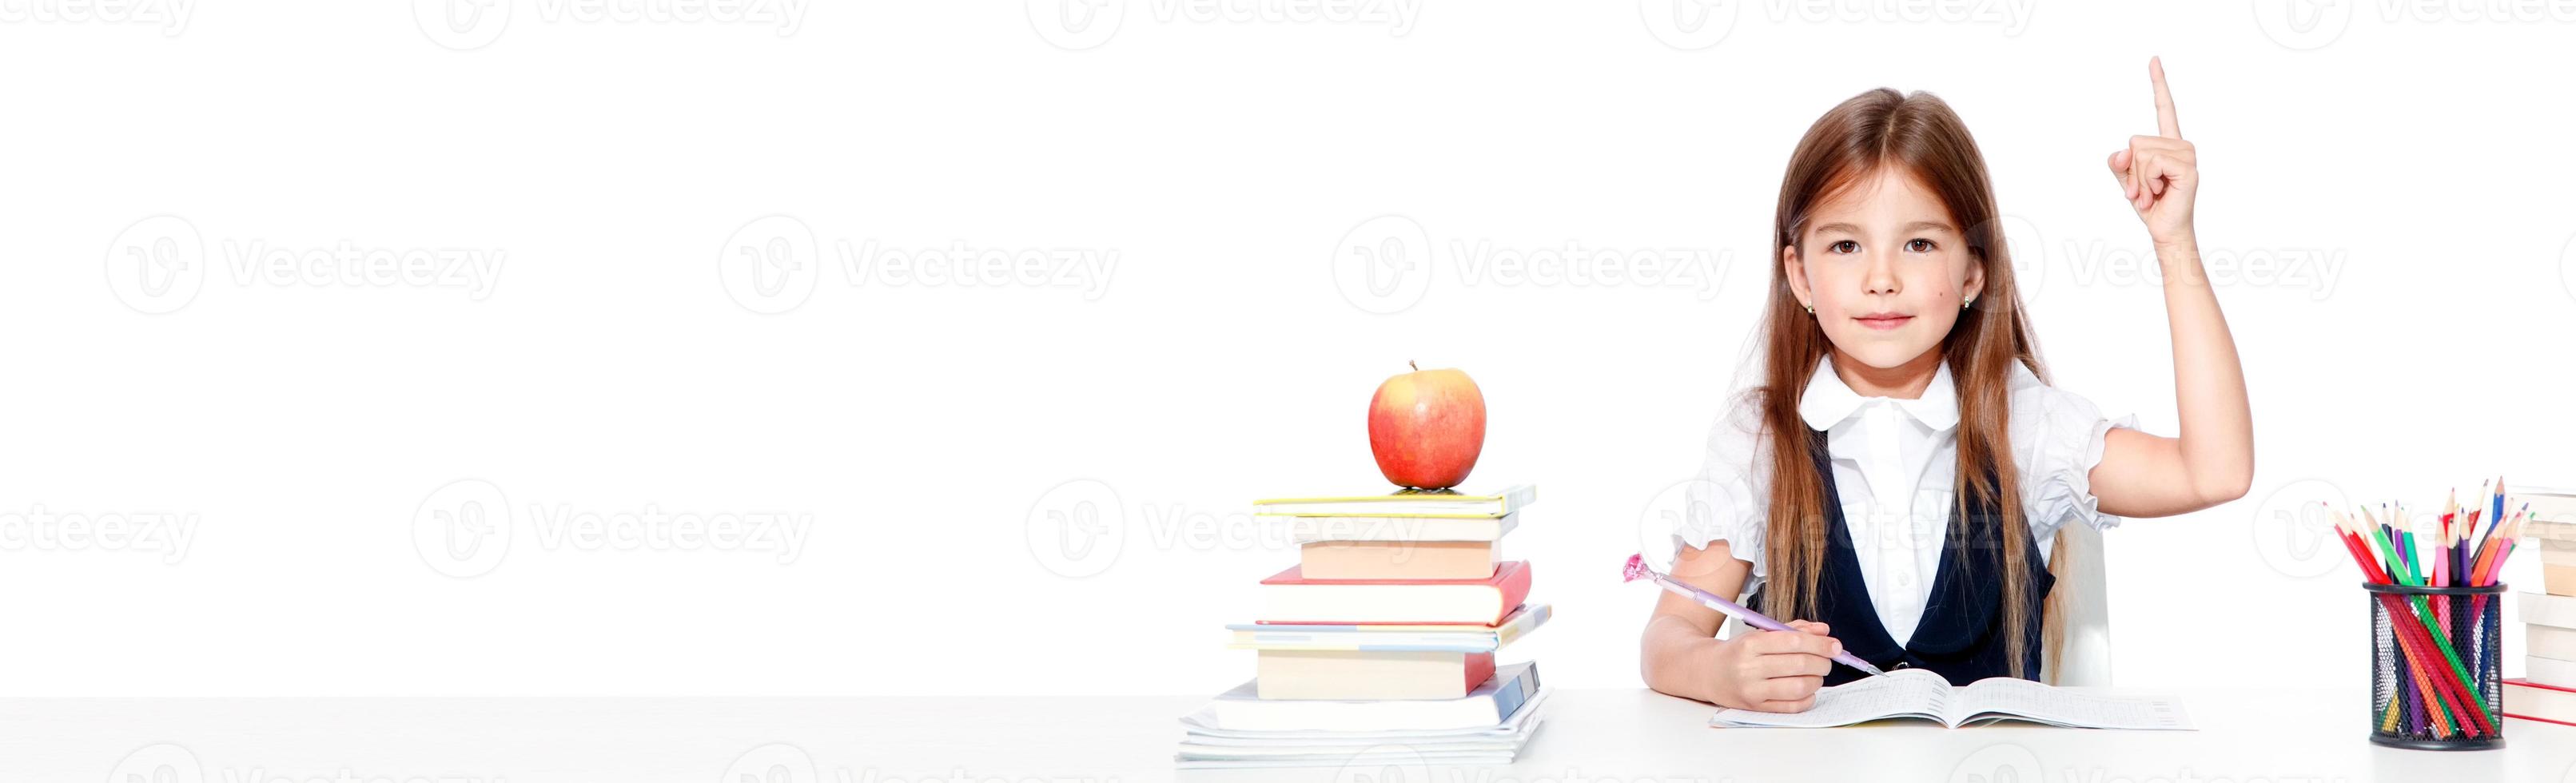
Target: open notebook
{"x":1919,"y":693}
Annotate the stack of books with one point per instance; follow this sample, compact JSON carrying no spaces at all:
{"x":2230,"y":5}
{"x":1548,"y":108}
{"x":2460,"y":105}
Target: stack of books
{"x":1378,"y":646}
{"x":2547,"y":689}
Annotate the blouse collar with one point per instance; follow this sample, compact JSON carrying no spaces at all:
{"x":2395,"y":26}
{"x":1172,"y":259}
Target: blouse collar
{"x":1828,"y":401}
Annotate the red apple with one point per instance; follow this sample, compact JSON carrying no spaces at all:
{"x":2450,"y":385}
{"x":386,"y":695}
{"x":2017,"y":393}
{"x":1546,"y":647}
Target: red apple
{"x":1426,"y":427}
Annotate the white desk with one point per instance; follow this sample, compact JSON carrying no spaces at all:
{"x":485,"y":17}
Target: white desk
{"x":1590,"y":736}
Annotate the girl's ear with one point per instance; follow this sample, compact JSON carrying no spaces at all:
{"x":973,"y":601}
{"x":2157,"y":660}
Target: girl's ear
{"x":1976,"y":282}
{"x":1796,"y":271}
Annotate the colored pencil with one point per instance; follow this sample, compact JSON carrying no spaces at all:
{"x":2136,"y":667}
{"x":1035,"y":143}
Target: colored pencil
{"x":2464,"y":546}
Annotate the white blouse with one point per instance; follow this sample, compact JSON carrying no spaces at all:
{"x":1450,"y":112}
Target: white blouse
{"x":1894,"y":463}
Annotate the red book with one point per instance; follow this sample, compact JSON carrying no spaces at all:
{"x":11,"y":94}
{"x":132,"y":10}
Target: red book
{"x":2533,"y":701}
{"x":1289,"y":597}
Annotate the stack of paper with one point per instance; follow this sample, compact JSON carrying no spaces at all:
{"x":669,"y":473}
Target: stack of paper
{"x":1488,"y":726}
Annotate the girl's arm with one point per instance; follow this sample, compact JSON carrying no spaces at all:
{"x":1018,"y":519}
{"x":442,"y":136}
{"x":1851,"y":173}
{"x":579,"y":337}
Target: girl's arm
{"x":1772,"y":671}
{"x":2212,"y":462}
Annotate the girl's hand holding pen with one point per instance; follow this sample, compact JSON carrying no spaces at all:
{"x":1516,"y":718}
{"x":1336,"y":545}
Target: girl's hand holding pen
{"x":1774,"y":671}
{"x":2160,"y":173}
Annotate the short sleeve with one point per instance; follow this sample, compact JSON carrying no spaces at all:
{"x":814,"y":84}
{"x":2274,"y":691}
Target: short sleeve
{"x":1726,"y":499}
{"x":2057,"y":438}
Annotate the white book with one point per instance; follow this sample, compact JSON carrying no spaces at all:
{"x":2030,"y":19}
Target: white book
{"x":1204,"y":748}
{"x":1922,"y":694}
{"x":1528,"y":715}
{"x":2553,"y":511}
{"x":1395,"y":757}
{"x":2549,"y":671}
{"x":1308,"y":530}
{"x":2549,"y":641}
{"x":2549,"y":506}
{"x":1491,"y":704}
{"x":1391,"y":638}
{"x":2558,"y":611}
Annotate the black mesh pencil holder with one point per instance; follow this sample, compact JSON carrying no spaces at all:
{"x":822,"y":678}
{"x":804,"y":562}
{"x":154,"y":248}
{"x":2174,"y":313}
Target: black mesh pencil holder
{"x":2437,"y":661}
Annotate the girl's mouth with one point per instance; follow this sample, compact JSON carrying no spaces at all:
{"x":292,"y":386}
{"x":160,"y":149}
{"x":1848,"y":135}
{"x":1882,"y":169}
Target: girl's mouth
{"x":1883,"y":321}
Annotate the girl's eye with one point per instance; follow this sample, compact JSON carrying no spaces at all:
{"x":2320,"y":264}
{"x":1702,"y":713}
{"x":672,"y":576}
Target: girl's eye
{"x":1919,"y":245}
{"x":1845,"y":246}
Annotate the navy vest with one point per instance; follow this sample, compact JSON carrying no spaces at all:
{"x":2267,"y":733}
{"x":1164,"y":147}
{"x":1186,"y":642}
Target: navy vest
{"x":1958,"y":636}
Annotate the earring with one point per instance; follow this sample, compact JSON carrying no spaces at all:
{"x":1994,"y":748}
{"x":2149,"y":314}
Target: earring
{"x":1811,"y":309}
{"x":1963,"y":303}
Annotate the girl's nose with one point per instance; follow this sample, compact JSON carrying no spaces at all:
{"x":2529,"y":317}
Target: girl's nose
{"x":1880,"y":277}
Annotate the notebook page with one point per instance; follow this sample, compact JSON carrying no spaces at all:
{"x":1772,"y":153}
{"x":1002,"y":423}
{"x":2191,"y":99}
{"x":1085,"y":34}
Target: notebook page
{"x":1905,"y":693}
{"x":2006,"y":698}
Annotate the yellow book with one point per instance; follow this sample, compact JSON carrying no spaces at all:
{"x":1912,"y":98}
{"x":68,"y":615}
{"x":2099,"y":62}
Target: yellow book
{"x":1436,"y":505}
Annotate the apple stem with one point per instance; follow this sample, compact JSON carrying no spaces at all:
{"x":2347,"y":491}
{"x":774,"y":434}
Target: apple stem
{"x":1416,"y":367}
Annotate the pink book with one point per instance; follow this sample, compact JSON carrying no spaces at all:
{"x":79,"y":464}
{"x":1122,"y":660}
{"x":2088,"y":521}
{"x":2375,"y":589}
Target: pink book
{"x":1289,"y":597}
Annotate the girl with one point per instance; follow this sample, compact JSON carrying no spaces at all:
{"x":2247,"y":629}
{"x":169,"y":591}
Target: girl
{"x":1899,"y":477}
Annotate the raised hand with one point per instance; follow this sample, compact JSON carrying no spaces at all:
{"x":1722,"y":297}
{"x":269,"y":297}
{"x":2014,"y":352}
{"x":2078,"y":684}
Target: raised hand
{"x":2160,"y":173}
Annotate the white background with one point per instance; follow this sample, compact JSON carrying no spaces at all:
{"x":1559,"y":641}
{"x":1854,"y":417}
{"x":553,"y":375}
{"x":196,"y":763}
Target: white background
{"x":2397,"y":175}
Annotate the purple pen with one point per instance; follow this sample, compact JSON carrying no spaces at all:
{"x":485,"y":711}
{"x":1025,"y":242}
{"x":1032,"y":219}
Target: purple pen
{"x":1637,"y":568}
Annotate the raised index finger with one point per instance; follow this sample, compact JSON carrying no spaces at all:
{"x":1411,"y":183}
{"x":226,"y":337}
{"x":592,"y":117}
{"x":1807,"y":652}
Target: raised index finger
{"x":2166,"y":125}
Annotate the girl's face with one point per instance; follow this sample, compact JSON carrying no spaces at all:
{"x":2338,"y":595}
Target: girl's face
{"x":1885,"y":267}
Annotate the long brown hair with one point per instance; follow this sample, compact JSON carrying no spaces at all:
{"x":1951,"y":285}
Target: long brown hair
{"x":1862,"y":136}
